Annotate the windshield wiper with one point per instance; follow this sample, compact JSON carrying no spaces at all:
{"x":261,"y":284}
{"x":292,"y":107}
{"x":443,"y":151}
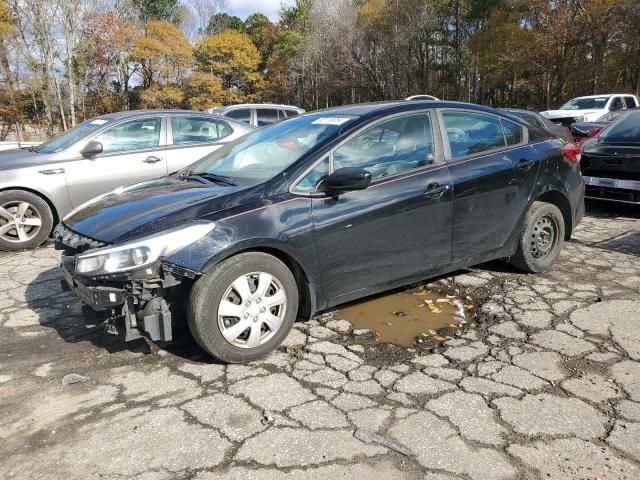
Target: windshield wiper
{"x":214,"y":177}
{"x":207,"y":177}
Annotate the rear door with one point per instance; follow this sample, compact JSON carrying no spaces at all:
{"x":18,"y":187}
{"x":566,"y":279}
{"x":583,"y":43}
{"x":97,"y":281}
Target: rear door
{"x":133,"y":151}
{"x":398,"y":226}
{"x":490,"y":179}
{"x":191,"y":137}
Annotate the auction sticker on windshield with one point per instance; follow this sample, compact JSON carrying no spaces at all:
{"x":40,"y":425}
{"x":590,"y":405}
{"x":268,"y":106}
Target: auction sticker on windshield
{"x":331,"y":120}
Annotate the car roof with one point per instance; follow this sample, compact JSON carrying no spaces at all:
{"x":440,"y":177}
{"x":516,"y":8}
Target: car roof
{"x":140,"y":113}
{"x":257,"y":105}
{"x":375,"y":109}
{"x":606,"y":95}
{"x":521,"y":110}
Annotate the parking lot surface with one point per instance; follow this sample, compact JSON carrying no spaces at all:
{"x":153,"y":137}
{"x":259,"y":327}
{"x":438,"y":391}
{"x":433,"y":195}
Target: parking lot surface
{"x":545,"y":385}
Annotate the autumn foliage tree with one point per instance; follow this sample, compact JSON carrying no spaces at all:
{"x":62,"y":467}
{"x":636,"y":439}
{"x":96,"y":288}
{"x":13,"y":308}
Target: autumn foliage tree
{"x":232,"y":57}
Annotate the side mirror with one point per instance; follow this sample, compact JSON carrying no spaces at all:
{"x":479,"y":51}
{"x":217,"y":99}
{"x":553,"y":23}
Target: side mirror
{"x":347,"y":179}
{"x":91,"y":149}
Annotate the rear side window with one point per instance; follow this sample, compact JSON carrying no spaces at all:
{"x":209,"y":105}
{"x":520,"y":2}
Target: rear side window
{"x":630,"y":102}
{"x":471,"y":132}
{"x":197,"y":130}
{"x":291,"y":113}
{"x":512,"y":132}
{"x":240,"y":114}
{"x":266,"y":116}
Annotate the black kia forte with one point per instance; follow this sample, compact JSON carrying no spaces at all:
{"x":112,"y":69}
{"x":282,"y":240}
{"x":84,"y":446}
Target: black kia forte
{"x":316,"y":211}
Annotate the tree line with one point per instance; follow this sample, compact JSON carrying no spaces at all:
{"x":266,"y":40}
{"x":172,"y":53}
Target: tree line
{"x":62,"y":61}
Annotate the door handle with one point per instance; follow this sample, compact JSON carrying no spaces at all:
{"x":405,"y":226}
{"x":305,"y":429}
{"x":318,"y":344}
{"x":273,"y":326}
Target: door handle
{"x":52,"y":171}
{"x":525,"y":164}
{"x":151,"y":159}
{"x":435,"y":190}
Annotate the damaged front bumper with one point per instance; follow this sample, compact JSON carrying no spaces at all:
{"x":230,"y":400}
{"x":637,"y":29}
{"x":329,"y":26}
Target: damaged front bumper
{"x":133,"y":305}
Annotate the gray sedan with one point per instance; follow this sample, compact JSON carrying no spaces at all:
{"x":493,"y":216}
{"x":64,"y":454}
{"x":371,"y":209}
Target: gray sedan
{"x":40,"y":185}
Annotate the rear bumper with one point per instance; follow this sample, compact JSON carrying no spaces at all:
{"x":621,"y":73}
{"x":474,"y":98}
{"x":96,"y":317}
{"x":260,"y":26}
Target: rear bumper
{"x":612,"y":189}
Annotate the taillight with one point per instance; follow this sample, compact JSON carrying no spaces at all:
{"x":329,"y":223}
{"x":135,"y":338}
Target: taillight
{"x":571,"y":152}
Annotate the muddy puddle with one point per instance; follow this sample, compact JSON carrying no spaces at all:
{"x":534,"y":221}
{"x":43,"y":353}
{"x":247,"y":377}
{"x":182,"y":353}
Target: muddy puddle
{"x":407,"y":318}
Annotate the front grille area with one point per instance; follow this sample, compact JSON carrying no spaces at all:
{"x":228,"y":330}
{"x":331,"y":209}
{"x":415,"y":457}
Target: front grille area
{"x":608,"y":193}
{"x":72,"y":242}
{"x":566,"y":121}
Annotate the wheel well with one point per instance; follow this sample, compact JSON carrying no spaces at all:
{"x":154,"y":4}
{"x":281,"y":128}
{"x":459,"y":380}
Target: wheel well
{"x":306,"y":291}
{"x":54,"y":213}
{"x":559,"y":200}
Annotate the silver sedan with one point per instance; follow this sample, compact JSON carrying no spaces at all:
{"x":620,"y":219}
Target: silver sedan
{"x":40,"y":185}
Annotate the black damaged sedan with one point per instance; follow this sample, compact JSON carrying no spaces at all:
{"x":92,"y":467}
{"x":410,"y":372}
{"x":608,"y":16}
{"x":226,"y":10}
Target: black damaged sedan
{"x":316,"y":211}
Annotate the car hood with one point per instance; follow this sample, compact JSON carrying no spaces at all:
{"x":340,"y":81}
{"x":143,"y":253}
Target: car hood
{"x":149,"y":207}
{"x":22,"y":157}
{"x":551,"y":114}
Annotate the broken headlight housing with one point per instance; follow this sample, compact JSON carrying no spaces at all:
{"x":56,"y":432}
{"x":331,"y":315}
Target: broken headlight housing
{"x":140,"y":253}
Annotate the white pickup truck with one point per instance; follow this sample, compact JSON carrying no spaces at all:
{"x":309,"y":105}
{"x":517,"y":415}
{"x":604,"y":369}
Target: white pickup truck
{"x":590,"y":108}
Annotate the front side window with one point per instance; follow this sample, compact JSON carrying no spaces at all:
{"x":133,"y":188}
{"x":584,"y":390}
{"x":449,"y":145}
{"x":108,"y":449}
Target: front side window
{"x":240,"y":114}
{"x":133,"y":135}
{"x":390,"y":147}
{"x":312,"y":179}
{"x":266,"y":116}
{"x":197,"y":130}
{"x":616,"y":104}
{"x":471,"y":132}
{"x":512,"y":132}
{"x":264,"y":153}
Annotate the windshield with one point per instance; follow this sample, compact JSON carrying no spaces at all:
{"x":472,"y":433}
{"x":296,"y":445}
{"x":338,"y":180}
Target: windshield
{"x":594,"y":103}
{"x":68,"y":138}
{"x":263,"y":153}
{"x":625,"y":129}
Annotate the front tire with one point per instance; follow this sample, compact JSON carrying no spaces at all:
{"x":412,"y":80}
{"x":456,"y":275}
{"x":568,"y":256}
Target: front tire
{"x":26,"y":220}
{"x":541,"y":239}
{"x":244,"y":308}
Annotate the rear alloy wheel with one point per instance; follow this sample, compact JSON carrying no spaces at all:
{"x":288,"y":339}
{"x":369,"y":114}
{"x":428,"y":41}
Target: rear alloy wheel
{"x":244,"y":307}
{"x":541,"y":239}
{"x":25,"y":220}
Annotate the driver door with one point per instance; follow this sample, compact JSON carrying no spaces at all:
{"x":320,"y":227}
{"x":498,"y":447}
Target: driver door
{"x":400,"y":225}
{"x":133,"y":151}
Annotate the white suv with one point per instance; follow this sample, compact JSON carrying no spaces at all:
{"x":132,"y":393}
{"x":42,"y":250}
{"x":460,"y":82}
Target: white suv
{"x":590,"y":108}
{"x":257,"y":114}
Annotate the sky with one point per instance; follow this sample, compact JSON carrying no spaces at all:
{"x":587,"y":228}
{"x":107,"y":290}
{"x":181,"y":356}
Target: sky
{"x":243,"y":8}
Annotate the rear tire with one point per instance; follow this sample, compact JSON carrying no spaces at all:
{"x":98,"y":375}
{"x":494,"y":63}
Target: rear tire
{"x":26,"y":220}
{"x":244,"y":308}
{"x":541,"y":239}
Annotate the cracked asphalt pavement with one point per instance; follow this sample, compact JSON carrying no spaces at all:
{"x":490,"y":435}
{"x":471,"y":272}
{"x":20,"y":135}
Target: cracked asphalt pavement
{"x":545,"y":385}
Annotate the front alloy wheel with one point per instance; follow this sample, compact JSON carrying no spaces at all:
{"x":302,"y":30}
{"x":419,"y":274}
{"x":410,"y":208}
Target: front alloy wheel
{"x":25,"y":220}
{"x":244,"y":307}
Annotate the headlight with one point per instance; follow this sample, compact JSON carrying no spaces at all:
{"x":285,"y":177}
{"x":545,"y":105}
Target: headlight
{"x":140,"y":253}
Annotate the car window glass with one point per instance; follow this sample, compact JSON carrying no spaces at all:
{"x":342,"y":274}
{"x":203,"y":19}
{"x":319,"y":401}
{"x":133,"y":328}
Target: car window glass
{"x":224,"y":129}
{"x":512,"y":132}
{"x":391,"y":147}
{"x":470,"y":132}
{"x":625,"y":129}
{"x":196,"y":130}
{"x":616,"y":103}
{"x":133,"y":135}
{"x":291,"y":113}
{"x":629,"y":102}
{"x":309,"y":182}
{"x":68,"y":138}
{"x":240,"y":114}
{"x":265,"y":116}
